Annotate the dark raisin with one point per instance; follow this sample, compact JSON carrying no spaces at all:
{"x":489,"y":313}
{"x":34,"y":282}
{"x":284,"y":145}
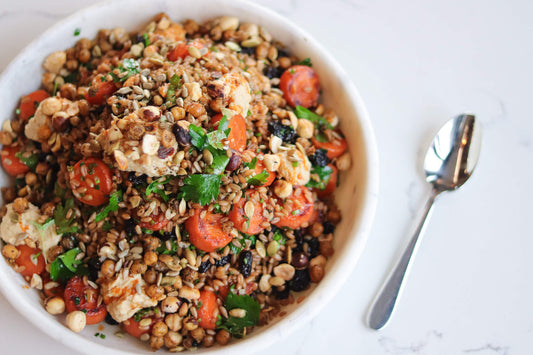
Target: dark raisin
{"x":164,"y":152}
{"x":223,"y":260}
{"x":282,"y":294}
{"x":299,"y":239}
{"x":182,"y":135}
{"x":320,"y":158}
{"x":136,"y":179}
{"x":166,"y":235}
{"x":129,"y":227}
{"x":234,"y":162}
{"x":248,"y":50}
{"x":300,"y":260}
{"x":283,"y":53}
{"x":314,"y":247}
{"x":272,"y":72}
{"x":300,"y":281}
{"x":94,"y":265}
{"x":245,"y":262}
{"x":109,"y":319}
{"x":286,"y":133}
{"x":204,"y":267}
{"x":139,"y":38}
{"x":328,"y":227}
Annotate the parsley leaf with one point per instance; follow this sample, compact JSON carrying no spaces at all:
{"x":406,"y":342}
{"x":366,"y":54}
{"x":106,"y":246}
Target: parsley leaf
{"x":114,"y":199}
{"x":146,"y":39}
{"x":65,"y":266}
{"x":220,"y":160}
{"x":236,"y":250}
{"x":153,"y":187}
{"x":251,"y":165}
{"x":198,"y":137}
{"x":64,"y":224}
{"x":302,"y":112}
{"x":307,"y":62}
{"x":321,"y":137}
{"x":131,"y":66}
{"x":175,"y":84}
{"x":236,"y":325}
{"x":323,"y":173}
{"x":201,"y":188}
{"x":212,"y":141}
{"x":77,"y":31}
{"x":215,"y":138}
{"x":30,"y":162}
{"x":258,"y":179}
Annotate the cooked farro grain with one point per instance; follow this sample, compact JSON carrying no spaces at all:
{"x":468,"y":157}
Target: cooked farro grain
{"x":184,"y":170}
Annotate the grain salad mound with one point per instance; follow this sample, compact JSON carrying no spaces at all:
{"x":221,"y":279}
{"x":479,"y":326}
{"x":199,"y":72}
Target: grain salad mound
{"x":177,"y":181}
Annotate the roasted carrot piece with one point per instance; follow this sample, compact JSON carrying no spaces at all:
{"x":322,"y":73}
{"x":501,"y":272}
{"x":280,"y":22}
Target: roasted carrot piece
{"x":300,"y":86}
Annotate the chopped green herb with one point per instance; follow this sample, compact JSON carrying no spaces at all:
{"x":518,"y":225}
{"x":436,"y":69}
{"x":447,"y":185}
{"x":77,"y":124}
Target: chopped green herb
{"x":295,"y":164}
{"x":77,"y":301}
{"x":65,"y":266}
{"x":107,"y":226}
{"x":164,"y":250}
{"x":175,"y":84}
{"x":146,"y":39}
{"x":302,"y":112}
{"x":212,"y":141}
{"x":321,"y":137}
{"x":17,"y":111}
{"x":201,"y":188}
{"x":56,"y":85}
{"x":114,"y":199}
{"x":258,"y":179}
{"x":323,"y":173}
{"x":64,"y":224}
{"x":251,"y":165}
{"x":236,"y":325}
{"x":279,"y":237}
{"x":77,"y":31}
{"x":248,"y":113}
{"x":153,"y":187}
{"x":31,"y":161}
{"x":292,"y":71}
{"x":307,"y":62}
{"x":130,"y":66}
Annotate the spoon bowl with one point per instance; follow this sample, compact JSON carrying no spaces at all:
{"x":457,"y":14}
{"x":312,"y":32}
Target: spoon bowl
{"x":449,"y":163}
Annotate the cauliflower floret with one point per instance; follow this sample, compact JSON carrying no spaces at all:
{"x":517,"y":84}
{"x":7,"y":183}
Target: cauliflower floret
{"x":124,"y":295}
{"x":16,"y":227}
{"x":294,"y":166}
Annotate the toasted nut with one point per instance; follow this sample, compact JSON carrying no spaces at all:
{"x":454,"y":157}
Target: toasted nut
{"x":274,"y":143}
{"x":51,"y":106}
{"x":20,"y":205}
{"x":121,"y":160}
{"x":10,"y":252}
{"x":76,"y":321}
{"x":264,"y":284}
{"x":276,"y":281}
{"x":189,"y":293}
{"x":285,"y":271}
{"x":172,"y":339}
{"x":316,"y":273}
{"x":228,"y":23}
{"x":149,"y":113}
{"x":305,"y":128}
{"x":344,"y":162}
{"x":55,"y":305}
{"x":237,"y":313}
{"x":150,"y":144}
{"x":271,"y":161}
{"x":55,"y":61}
{"x":193,"y":89}
{"x":319,"y":260}
{"x":282,"y":189}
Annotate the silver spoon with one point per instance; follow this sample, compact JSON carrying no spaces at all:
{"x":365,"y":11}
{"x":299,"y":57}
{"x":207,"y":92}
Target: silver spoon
{"x":449,"y":162}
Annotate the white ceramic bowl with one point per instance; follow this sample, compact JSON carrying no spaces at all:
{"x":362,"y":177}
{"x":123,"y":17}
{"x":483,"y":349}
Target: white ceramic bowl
{"x":356,"y":196}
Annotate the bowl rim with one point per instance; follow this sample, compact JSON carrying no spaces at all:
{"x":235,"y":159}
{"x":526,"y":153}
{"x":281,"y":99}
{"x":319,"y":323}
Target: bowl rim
{"x":355,"y":242}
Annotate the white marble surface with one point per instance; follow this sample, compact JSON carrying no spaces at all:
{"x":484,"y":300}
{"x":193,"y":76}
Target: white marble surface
{"x":416,"y":64}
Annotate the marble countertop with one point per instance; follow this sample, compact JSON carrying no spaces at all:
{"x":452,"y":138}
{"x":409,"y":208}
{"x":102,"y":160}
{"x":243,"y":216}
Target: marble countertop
{"x":416,"y":64}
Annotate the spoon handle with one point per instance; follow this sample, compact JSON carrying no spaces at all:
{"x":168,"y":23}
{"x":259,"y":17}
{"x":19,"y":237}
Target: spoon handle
{"x":383,"y":305}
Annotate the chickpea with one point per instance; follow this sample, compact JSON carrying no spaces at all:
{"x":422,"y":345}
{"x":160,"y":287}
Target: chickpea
{"x":223,"y":337}
{"x":316,"y":273}
{"x":30,"y":178}
{"x":150,"y":258}
{"x":334,"y":216}
{"x":317,"y":229}
{"x":305,"y":128}
{"x":174,"y":322}
{"x":44,"y":132}
{"x":156,"y":343}
{"x":138,"y":267}
{"x":55,"y":305}
{"x":76,"y":321}
{"x":150,"y":276}
{"x":5,"y":138}
{"x":10,"y":252}
{"x":155,"y":291}
{"x":172,"y":339}
{"x":108,"y":268}
{"x":198,"y":334}
{"x":170,"y":304}
{"x":159,"y":329}
{"x":208,"y":341}
{"x":282,"y":188}
{"x":20,"y":205}
{"x":41,"y":168}
{"x":326,"y":248}
{"x":284,"y":62}
{"x":84,"y":55}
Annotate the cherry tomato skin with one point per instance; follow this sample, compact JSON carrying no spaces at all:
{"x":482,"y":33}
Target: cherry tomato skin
{"x":13,"y":165}
{"x":93,"y":175}
{"x":300,"y":86}
{"x":32,"y":259}
{"x":81,"y":297}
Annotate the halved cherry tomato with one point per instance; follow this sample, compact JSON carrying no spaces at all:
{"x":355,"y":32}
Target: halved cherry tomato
{"x":103,"y":89}
{"x":206,"y":232}
{"x":259,"y":168}
{"x":239,"y":218}
{"x":300,"y":86}
{"x":93,"y":175}
{"x":332,"y":183}
{"x":335,"y":147}
{"x":29,"y":103}
{"x":158,"y":222}
{"x":237,"y":135}
{"x":182,"y":50}
{"x":13,"y":165}
{"x":134,"y":328}
{"x":81,"y":297}
{"x":299,"y":207}
{"x":32,"y":259}
{"x":56,"y":290}
{"x":208,"y":311}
